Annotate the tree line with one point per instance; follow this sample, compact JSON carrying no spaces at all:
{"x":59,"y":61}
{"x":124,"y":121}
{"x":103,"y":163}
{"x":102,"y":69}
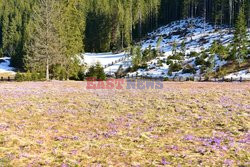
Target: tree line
{"x":45,"y":36}
{"x":215,"y":11}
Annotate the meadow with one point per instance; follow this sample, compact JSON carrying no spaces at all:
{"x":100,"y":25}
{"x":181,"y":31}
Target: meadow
{"x":185,"y":124}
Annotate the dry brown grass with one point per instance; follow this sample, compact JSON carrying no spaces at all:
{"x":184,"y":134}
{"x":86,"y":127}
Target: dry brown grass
{"x":63,"y":124}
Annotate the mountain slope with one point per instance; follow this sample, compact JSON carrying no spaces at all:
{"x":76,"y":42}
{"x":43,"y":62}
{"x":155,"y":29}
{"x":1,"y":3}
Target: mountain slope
{"x":197,"y":36}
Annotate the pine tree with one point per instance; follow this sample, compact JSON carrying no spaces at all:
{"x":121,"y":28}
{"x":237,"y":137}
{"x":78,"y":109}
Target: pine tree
{"x":97,"y":71}
{"x":158,"y":43}
{"x":183,"y":47}
{"x":136,"y":57}
{"x":71,"y":37}
{"x":174,"y":48}
{"x":100,"y":74}
{"x":220,"y":50}
{"x":240,"y":36}
{"x":214,"y":48}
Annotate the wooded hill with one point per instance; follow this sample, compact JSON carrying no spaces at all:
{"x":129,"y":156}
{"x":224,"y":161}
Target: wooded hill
{"x":35,"y":31}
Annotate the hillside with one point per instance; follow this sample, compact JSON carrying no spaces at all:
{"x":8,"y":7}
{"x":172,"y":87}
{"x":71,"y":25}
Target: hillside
{"x":196,"y":35}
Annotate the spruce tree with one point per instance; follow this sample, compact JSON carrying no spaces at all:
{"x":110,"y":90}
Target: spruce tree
{"x":158,"y":43}
{"x":71,"y":36}
{"x":174,"y":48}
{"x":100,"y":74}
{"x":183,"y":48}
{"x":136,"y":57}
{"x":240,"y":36}
{"x":96,"y":71}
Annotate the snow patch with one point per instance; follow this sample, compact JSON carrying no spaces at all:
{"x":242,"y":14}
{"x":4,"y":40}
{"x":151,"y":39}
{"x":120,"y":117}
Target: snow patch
{"x":104,"y":58}
{"x":244,"y":74}
{"x":5,"y":65}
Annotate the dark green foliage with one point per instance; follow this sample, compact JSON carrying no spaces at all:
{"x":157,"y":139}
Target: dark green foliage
{"x":144,"y":66}
{"x":170,"y":72}
{"x":100,"y":72}
{"x":169,"y":61}
{"x":159,"y":40}
{"x":174,"y":48}
{"x":177,"y":56}
{"x":203,"y":69}
{"x":112,"y":25}
{"x":149,"y":54}
{"x":105,"y":25}
{"x":140,"y":58}
{"x":166,"y":79}
{"x":97,"y":72}
{"x":193,"y":54}
{"x":136,"y":57}
{"x":14,"y":18}
{"x":175,"y":67}
{"x":223,"y":52}
{"x":97,"y":33}
{"x":183,"y":48}
{"x":200,"y":60}
{"x":20,"y":77}
{"x":80,"y":76}
{"x":220,"y":50}
{"x":240,"y":37}
{"x":214,"y":47}
{"x":189,"y":69}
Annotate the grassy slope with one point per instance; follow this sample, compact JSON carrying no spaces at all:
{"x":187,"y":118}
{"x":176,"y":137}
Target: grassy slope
{"x":188,"y":124}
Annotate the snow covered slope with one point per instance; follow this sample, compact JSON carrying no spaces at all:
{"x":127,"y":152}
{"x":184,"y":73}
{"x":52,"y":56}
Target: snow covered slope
{"x":125,"y":64}
{"x":104,"y":58}
{"x":244,"y":74}
{"x":110,"y":61}
{"x":5,"y":66}
{"x":197,"y":36}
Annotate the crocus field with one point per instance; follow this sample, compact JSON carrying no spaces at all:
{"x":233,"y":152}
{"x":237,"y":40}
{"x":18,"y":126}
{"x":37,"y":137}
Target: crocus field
{"x":185,"y":124}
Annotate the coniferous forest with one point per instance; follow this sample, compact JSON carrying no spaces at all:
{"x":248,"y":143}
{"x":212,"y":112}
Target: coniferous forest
{"x":49,"y":33}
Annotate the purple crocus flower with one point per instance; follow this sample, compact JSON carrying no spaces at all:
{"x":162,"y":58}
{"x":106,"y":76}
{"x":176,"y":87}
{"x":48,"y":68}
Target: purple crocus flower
{"x":228,"y":162}
{"x":164,"y":162}
{"x":64,"y":165}
{"x":189,"y":137}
